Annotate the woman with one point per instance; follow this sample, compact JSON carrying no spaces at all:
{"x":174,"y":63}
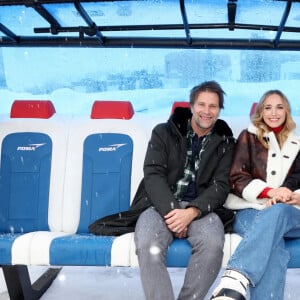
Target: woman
{"x":264,"y":175}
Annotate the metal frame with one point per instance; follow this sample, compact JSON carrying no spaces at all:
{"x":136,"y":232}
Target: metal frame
{"x":19,"y":285}
{"x":93,"y":35}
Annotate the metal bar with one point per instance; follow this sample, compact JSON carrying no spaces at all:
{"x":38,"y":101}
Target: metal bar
{"x":30,"y":2}
{"x":174,"y":27}
{"x":93,"y":27}
{"x":8,"y":33}
{"x":24,"y":2}
{"x":18,"y":282}
{"x":231,"y":8}
{"x":282,"y":23}
{"x":185,"y":22}
{"x":47,"y":16}
{"x":141,"y":42}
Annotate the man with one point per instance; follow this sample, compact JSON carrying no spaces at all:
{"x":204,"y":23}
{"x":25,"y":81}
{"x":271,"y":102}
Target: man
{"x":186,"y":172}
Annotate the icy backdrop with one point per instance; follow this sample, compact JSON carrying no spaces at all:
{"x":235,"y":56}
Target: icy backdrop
{"x":155,"y":104}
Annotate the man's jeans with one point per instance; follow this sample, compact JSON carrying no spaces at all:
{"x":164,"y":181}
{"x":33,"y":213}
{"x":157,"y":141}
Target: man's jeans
{"x":152,"y":238}
{"x":261,"y":255}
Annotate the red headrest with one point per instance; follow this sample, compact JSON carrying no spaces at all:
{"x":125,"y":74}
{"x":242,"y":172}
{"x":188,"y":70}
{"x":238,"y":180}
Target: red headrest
{"x":253,"y":108}
{"x":42,"y":109}
{"x":112,"y":110}
{"x":179,"y":104}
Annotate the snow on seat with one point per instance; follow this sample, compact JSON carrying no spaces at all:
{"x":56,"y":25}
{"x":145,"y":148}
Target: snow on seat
{"x":32,"y":158}
{"x":104,"y":167}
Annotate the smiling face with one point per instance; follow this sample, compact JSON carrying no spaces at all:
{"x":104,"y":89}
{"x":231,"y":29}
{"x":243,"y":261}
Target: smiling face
{"x":274,"y":111}
{"x":205,"y":112}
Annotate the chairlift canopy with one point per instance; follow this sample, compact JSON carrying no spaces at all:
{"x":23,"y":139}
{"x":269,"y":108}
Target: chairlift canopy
{"x":183,"y":24}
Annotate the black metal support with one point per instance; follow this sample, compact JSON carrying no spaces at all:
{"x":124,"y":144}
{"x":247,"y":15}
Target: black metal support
{"x":8,"y":33}
{"x":19,"y":284}
{"x":185,"y":23}
{"x":282,"y":23}
{"x":47,"y":16}
{"x":231,"y":8}
{"x":92,"y":26}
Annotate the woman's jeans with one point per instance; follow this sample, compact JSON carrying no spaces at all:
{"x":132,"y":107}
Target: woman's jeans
{"x":261,"y":255}
{"x":152,"y":238}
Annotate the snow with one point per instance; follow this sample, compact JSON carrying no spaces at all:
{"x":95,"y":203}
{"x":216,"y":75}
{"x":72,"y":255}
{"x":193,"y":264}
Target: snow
{"x":115,"y":283}
{"x":154,"y":105}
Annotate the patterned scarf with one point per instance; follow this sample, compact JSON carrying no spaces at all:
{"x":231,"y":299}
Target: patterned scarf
{"x":192,"y":162}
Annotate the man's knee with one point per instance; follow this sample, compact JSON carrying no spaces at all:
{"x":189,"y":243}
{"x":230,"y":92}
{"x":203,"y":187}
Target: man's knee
{"x":151,"y":233}
{"x":208,"y":232}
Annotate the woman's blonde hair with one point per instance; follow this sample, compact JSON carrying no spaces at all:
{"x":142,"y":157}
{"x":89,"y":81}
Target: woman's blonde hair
{"x":262,"y":127}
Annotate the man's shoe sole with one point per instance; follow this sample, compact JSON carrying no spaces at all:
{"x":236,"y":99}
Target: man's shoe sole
{"x":228,"y":294}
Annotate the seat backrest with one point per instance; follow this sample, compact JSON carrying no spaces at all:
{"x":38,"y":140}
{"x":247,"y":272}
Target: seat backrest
{"x":106,"y":177}
{"x":104,"y":167}
{"x":112,"y":110}
{"x":43,"y":109}
{"x":179,"y":104}
{"x":27,"y":164}
{"x":253,"y":109}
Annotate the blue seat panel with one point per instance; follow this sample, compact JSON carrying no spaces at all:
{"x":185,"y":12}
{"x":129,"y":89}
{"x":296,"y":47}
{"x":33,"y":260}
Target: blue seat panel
{"x":107,"y":160}
{"x":81,"y":250}
{"x":180,"y":250}
{"x":24,"y":182}
{"x":6,"y":242}
{"x":293,"y":246}
{"x":179,"y":253}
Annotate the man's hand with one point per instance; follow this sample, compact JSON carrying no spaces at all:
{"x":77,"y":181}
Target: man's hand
{"x":294,"y":200}
{"x":178,"y":220}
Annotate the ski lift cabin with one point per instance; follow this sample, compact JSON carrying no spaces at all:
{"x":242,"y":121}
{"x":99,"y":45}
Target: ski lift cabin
{"x":74,"y":71}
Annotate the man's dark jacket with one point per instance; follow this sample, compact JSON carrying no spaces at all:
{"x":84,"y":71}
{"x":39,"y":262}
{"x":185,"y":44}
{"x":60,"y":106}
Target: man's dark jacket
{"x":163,"y":167}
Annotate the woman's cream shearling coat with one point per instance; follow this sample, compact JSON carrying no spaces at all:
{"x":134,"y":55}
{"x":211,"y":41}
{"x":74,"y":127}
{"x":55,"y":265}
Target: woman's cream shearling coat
{"x":254,"y":168}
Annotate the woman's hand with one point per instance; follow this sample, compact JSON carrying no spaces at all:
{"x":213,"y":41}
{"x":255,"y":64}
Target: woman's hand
{"x":271,"y":202}
{"x":283,"y":196}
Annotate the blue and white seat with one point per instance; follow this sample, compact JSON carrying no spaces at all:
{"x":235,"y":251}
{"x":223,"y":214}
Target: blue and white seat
{"x":33,"y":149}
{"x":103,"y":169}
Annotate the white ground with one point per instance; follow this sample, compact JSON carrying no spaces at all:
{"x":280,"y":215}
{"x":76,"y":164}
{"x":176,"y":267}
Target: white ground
{"x":115,"y":283}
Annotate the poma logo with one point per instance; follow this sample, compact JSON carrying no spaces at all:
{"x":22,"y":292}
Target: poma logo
{"x":30,"y":147}
{"x":111,"y":148}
